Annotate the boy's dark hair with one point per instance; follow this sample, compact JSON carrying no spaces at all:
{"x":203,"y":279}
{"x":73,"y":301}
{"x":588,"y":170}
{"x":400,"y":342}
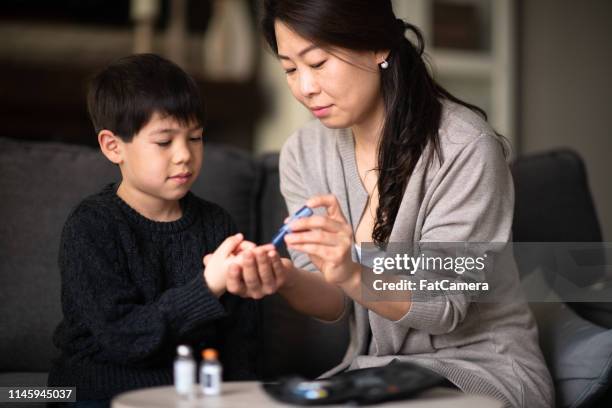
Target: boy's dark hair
{"x":123,"y":96}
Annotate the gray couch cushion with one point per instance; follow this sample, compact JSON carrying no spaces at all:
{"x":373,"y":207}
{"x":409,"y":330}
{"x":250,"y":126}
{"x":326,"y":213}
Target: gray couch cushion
{"x":554,"y":204}
{"x":40,"y":184}
{"x":271,"y":207}
{"x":599,"y":313}
{"x":231,"y":178}
{"x":578,"y":353}
{"x":21,"y":379}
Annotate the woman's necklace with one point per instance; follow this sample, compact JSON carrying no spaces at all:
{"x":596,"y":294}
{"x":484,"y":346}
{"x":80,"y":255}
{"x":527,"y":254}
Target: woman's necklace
{"x":372,"y":191}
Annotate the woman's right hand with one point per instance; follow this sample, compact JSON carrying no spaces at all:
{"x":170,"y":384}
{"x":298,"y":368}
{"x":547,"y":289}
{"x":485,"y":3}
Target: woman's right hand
{"x":327,"y":240}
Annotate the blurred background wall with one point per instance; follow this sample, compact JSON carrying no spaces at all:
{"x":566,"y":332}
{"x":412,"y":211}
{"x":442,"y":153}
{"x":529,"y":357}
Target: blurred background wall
{"x":540,"y":68}
{"x":49,"y":50}
{"x":566,"y":87}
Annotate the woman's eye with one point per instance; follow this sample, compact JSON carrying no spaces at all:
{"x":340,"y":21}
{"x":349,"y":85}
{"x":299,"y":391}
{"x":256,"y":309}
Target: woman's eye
{"x":319,"y":65}
{"x":289,"y":71}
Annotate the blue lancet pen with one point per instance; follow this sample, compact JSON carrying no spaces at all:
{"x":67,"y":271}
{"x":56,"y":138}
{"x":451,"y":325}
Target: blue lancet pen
{"x":284,"y":230}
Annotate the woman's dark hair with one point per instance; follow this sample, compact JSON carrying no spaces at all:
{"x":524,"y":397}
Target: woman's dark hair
{"x":412,"y":98}
{"x":124,"y":95}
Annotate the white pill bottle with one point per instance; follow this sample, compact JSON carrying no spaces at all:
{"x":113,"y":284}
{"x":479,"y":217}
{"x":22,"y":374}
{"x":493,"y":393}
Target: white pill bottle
{"x":210,"y":372}
{"x":184,"y":372}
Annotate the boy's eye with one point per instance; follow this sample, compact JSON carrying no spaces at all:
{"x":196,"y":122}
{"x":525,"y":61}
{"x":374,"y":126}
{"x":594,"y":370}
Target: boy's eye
{"x":196,"y":138}
{"x":163,"y":144}
{"x":289,"y":71}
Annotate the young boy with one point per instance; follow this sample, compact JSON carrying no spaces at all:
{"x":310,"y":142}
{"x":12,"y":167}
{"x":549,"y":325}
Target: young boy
{"x":131,"y":257}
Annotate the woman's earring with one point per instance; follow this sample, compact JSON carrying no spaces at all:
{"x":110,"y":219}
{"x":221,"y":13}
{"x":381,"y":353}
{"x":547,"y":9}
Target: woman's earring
{"x":384,"y":64}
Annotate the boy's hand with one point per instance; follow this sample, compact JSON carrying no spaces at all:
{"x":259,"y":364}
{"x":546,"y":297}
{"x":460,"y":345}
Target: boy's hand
{"x":217,"y":263}
{"x":237,"y":254}
{"x":260,"y":272}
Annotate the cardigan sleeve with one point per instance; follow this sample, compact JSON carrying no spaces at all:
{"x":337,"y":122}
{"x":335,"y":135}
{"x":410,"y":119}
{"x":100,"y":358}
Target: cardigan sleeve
{"x":472,"y":201}
{"x":294,"y":191}
{"x":101,"y":296}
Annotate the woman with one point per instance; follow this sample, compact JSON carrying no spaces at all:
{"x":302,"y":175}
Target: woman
{"x":393,"y":157}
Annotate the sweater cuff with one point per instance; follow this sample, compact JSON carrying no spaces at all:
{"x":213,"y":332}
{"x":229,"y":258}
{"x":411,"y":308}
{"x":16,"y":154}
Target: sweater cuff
{"x":424,"y":314}
{"x":195,"y":305}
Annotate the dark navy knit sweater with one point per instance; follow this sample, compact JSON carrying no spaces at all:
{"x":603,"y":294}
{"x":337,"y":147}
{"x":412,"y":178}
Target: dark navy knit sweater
{"x":133,"y":289}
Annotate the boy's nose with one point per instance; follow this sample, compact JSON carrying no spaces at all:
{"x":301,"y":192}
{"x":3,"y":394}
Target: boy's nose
{"x":182,"y":154}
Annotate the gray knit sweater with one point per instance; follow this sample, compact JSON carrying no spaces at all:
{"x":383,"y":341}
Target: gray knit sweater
{"x":484,"y":348}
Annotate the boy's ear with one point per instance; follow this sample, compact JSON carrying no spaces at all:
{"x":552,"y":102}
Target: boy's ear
{"x":111,"y":145}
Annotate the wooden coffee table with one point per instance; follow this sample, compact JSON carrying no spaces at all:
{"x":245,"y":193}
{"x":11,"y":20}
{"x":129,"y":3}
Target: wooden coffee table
{"x":249,"y":394}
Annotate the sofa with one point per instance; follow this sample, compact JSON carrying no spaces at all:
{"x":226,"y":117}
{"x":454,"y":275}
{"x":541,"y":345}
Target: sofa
{"x":41,"y":182}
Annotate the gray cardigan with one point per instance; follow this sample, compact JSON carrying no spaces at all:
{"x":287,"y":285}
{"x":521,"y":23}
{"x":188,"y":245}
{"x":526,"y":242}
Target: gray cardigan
{"x":483,"y":348}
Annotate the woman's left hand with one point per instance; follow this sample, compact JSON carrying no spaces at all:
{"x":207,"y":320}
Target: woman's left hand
{"x":259,"y":272}
{"x":326,"y":239}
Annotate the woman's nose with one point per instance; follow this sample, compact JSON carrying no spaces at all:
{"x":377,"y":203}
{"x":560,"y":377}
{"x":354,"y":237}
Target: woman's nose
{"x":308,"y":84}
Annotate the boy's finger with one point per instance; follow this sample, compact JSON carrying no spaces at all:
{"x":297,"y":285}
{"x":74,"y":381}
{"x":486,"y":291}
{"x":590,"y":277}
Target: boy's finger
{"x":266,"y":274}
{"x":267,"y":247}
{"x":250,"y":275}
{"x":287,"y":263}
{"x":277,"y":266}
{"x":235,"y":283}
{"x":229,"y":245}
{"x":244,"y":246}
{"x":206,"y":259}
